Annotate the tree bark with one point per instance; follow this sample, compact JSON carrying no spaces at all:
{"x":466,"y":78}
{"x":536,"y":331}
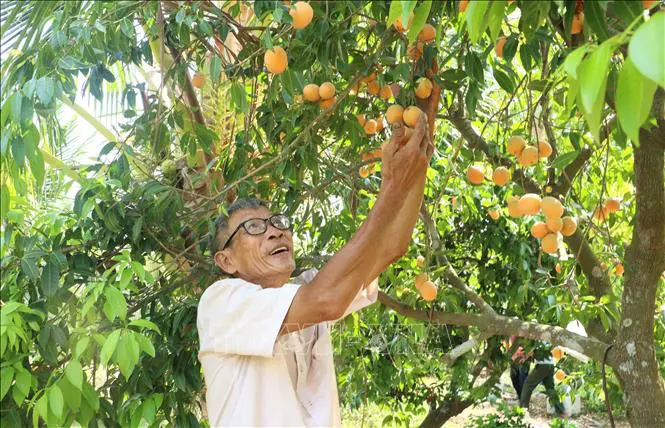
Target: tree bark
{"x":636,"y":364}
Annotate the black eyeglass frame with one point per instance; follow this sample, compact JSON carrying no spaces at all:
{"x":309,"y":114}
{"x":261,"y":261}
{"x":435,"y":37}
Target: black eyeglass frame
{"x":265,"y":223}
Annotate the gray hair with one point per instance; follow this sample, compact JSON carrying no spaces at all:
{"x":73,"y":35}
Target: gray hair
{"x":222,"y":222}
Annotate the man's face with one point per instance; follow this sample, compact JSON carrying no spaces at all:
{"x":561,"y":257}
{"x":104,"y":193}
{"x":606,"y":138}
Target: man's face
{"x":265,"y":259}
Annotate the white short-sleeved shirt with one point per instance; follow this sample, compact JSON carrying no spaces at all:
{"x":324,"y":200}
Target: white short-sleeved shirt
{"x":255,"y":378}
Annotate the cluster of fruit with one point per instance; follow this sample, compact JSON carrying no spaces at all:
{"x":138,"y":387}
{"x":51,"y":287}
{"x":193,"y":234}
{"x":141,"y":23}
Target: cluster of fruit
{"x":276,"y":60}
{"x":324,"y":94}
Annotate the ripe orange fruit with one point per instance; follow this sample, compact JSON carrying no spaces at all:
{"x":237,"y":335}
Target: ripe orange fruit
{"x":501,"y":176}
{"x":475,"y":174}
{"x":498,"y":49}
{"x":557,"y":268}
{"x":411,"y":115}
{"x":601,"y":213}
{"x":530,"y":204}
{"x":550,"y":243}
{"x":539,"y":230}
{"x":613,"y":205}
{"x":327,"y":91}
{"x":420,"y":261}
{"x":276,"y":60}
{"x":386,"y":92}
{"x":379,"y":123}
{"x":529,"y":156}
{"x":514,"y":207}
{"x":373,"y":87}
{"x":361,"y":119}
{"x":369,"y":78}
{"x":302,"y":14}
{"x":569,"y":226}
{"x":355,"y":88}
{"x":551,"y":207}
{"x":578,"y":23}
{"x":326,"y":104}
{"x":377,"y":153}
{"x":463,"y":5}
{"x":544,"y":149}
{"x":370,"y":127}
{"x":424,"y":87}
{"x":560,"y":375}
{"x":428,"y":291}
{"x":554,"y":224}
{"x":619,"y":269}
{"x":557,"y":352}
{"x":648,"y":4}
{"x":394,"y":113}
{"x":415,"y":51}
{"x":311,"y":92}
{"x":421,"y":279}
{"x":427,"y":34}
{"x":399,"y":25}
{"x":495,"y":214}
{"x":199,"y":80}
{"x":364,"y":171}
{"x":515,"y":145}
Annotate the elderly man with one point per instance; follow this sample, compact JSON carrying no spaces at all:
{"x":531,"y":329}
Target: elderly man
{"x":265,"y":349}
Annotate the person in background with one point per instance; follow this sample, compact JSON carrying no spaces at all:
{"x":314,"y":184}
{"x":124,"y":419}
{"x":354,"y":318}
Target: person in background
{"x":519,"y":368}
{"x":543,"y":372}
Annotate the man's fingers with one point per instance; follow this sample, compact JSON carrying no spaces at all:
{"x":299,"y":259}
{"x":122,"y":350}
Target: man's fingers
{"x":398,"y":131}
{"x":419,"y":131}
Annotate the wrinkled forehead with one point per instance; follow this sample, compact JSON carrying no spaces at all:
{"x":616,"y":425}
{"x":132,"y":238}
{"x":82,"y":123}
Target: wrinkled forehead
{"x":245,"y":214}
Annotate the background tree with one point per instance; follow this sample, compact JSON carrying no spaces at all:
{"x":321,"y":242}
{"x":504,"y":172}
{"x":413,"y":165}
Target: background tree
{"x":99,"y":294}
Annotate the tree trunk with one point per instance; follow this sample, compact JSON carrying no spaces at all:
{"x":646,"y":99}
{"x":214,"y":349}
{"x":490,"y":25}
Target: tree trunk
{"x":438,"y":416}
{"x":635,"y":359}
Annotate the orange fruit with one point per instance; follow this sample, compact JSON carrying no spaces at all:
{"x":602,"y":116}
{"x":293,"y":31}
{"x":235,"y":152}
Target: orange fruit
{"x":463,"y":5}
{"x":557,"y":268}
{"x":364,"y":171}
{"x":550,"y":243}
{"x":475,"y":174}
{"x":530,"y":204}
{"x":276,"y":60}
{"x":498,"y":49}
{"x":327,"y":91}
{"x":366,"y":156}
{"x":544,"y":149}
{"x":373,"y":87}
{"x":311,"y":92}
{"x":515,"y":145}
{"x":560,"y":375}
{"x":399,"y":25}
{"x":548,"y":189}
{"x":601,"y":213}
{"x":424,"y":87}
{"x":427,"y":34}
{"x":415,"y":51}
{"x":326,"y":104}
{"x":386,"y":92}
{"x":370,"y":127}
{"x":514,"y":207}
{"x":557,"y":353}
{"x":411,"y":115}
{"x":495,"y":214}
{"x":428,"y":291}
{"x":648,"y":4}
{"x":355,"y":88}
{"x":394,"y":113}
{"x":578,"y":23}
{"x":529,"y":156}
{"x":539,"y":230}
{"x":613,"y":205}
{"x":420,"y":261}
{"x":199,"y":80}
{"x":377,"y":153}
{"x":554,"y":224}
{"x":421,"y":279}
{"x":619,"y":269}
{"x":569,"y":226}
{"x":551,"y":207}
{"x":302,"y":14}
{"x":369,"y":78}
{"x":501,"y":176}
{"x":361,"y":119}
{"x":379,"y":123}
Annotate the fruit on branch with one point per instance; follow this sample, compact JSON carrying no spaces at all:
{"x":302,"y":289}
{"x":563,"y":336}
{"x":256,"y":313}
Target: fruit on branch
{"x":411,"y":115}
{"x":427,"y":34}
{"x":386,"y":92}
{"x":326,"y":104}
{"x":494,"y":214}
{"x":276,"y":60}
{"x":557,"y":352}
{"x":501,"y":176}
{"x":569,"y":226}
{"x":554,"y":224}
{"x":557,"y":268}
{"x":399,"y":25}
{"x":539,"y":230}
{"x":394,"y":113}
{"x":424,"y":87}
{"x":415,"y":51}
{"x":199,"y":80}
{"x":514,"y":207}
{"x":327,"y":91}
{"x":370,"y":127}
{"x":428,"y":291}
{"x":475,"y":174}
{"x":302,"y":14}
{"x":612,"y":205}
{"x":373,"y":87}
{"x":515,"y":145}
{"x":364,"y":171}
{"x":361,"y":119}
{"x":463,"y":4}
{"x":560,"y":375}
{"x":311,"y":92}
{"x":544,"y":149}
{"x":529,"y":156}
{"x":601,"y":213}
{"x":498,"y":49}
{"x":529,"y":204}
{"x":420,"y":261}
{"x":550,"y":243}
{"x":619,"y":269}
{"x":421,"y":279}
{"x":578,"y":23}
{"x":551,"y":207}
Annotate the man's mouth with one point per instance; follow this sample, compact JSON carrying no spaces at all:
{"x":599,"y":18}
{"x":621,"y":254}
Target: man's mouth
{"x":279,"y":250}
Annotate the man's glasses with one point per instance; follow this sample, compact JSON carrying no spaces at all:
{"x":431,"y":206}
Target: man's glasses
{"x":258,"y":226}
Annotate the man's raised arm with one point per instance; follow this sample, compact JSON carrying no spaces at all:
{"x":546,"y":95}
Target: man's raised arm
{"x":380,"y":240}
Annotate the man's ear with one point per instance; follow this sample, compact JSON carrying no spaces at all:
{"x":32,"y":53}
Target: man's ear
{"x":225,"y":261}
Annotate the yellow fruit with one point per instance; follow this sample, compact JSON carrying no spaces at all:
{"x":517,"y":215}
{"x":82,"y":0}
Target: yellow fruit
{"x":394,"y":113}
{"x":530,"y":204}
{"x":370,"y":127}
{"x":427,"y":34}
{"x":379,"y":123}
{"x":199,"y":80}
{"x":428,"y":291}
{"x":544,"y":149}
{"x":361,"y":119}
{"x":557,"y":352}
{"x":364,"y":171}
{"x":424,"y":87}
{"x":548,"y":189}
{"x":550,"y":243}
{"x":420,"y":261}
{"x":463,"y":5}
{"x":600,"y":213}
{"x":386,"y":92}
{"x":311,"y":92}
{"x":529,"y":156}
{"x":421,"y":279}
{"x":578,"y":23}
{"x":415,"y":51}
{"x":495,"y":214}
{"x":302,"y":14}
{"x":498,"y":49}
{"x":515,"y":145}
{"x":399,"y":25}
{"x":411,"y":115}
{"x":551,"y":207}
{"x":501,"y":176}
{"x":514,"y":207}
{"x":557,"y":268}
{"x":276,"y":60}
{"x":560,"y":375}
{"x":613,"y":205}
{"x":554,"y":224}
{"x":569,"y":226}
{"x":370,"y":78}
{"x":373,"y":87}
{"x":326,"y":104}
{"x":619,"y":269}
{"x":377,"y":153}
{"x":327,"y":91}
{"x":539,"y":230}
{"x":475,"y":174}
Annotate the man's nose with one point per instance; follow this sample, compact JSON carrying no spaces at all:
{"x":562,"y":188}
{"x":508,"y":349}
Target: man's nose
{"x":273,"y":232}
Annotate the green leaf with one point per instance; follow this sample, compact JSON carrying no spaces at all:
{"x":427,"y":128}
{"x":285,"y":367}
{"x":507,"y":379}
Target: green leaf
{"x":574,"y":59}
{"x":146,"y":324}
{"x":495,"y":18}
{"x":16,"y":107}
{"x":407,"y":10}
{"x":81,"y":346}
{"x":116,"y":305}
{"x":146,"y":345}
{"x":4,"y":202}
{"x":31,"y":140}
{"x":74,"y":373}
{"x":215,"y":69}
{"x":565,"y":159}
{"x":534,"y":14}
{"x":127,"y":355}
{"x":647,"y":49}
{"x":394,"y":13}
{"x":18,"y":152}
{"x":476,"y":19}
{"x":50,"y":277}
{"x":109,"y":346}
{"x":23,"y":383}
{"x":238,"y":98}
{"x":6,"y":378}
{"x":419,"y":20}
{"x":45,"y":89}
{"x":56,"y":401}
{"x":29,"y":267}
{"x":595,"y":16}
{"x":634,"y":97}
{"x":504,"y":81}
{"x":41,"y":408}
{"x":593,"y":80}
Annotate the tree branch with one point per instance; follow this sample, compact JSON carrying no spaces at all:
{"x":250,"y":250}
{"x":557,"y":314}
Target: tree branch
{"x":465,"y":347}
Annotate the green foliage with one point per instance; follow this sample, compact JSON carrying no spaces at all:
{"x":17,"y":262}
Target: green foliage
{"x":508,"y":417}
